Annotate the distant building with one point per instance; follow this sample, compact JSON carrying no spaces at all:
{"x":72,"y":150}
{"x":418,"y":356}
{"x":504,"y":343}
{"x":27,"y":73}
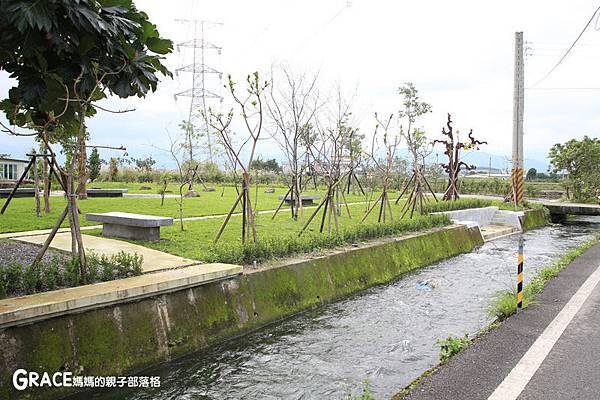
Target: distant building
{"x":11,"y":169}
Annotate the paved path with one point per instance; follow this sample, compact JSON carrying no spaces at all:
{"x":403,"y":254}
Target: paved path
{"x":553,"y":347}
{"x":154,"y":260}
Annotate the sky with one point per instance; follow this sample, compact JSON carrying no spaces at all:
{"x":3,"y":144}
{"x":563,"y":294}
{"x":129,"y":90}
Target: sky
{"x":459,"y":54}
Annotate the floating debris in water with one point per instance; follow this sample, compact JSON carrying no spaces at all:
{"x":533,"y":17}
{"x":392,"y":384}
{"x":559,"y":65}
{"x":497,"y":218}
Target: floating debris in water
{"x":427,"y":284}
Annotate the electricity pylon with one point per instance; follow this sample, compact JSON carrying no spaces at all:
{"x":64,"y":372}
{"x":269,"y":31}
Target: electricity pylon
{"x":199,"y":94}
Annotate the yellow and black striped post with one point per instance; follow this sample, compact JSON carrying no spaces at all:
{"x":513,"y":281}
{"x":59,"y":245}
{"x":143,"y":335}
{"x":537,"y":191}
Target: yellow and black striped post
{"x":520,"y":276}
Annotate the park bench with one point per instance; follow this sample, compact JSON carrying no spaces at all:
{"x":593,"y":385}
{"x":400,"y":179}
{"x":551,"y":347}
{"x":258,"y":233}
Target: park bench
{"x":94,"y":192}
{"x":130,"y":226}
{"x":307,"y":199}
{"x":21,"y":192}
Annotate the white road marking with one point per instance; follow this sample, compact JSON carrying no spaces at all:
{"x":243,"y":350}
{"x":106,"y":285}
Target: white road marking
{"x":514,"y":383}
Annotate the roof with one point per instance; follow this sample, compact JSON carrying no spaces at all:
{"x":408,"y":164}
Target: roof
{"x":13,"y":159}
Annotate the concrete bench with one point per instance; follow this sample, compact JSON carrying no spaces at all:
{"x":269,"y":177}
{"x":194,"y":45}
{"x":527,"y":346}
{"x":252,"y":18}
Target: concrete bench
{"x":106,"y":192}
{"x":130,"y":226}
{"x":307,"y":199}
{"x":21,"y":192}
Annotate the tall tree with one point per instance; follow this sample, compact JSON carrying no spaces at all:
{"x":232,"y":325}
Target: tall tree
{"x":65,"y":56}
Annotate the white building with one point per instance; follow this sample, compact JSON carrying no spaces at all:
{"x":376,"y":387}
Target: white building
{"x":11,"y":169}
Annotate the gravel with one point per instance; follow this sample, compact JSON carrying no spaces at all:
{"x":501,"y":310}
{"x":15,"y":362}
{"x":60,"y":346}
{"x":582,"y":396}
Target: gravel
{"x":23,"y":253}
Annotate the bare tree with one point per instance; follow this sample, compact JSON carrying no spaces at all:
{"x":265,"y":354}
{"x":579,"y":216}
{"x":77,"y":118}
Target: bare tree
{"x":385,"y":167}
{"x":453,"y":149}
{"x":251,"y":106}
{"x":328,"y":153}
{"x":292,"y":106}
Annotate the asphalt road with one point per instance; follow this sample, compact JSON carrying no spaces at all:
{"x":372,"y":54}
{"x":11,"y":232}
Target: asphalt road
{"x":571,"y":370}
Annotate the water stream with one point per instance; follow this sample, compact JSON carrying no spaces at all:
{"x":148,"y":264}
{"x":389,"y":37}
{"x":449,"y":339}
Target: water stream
{"x":386,"y":334}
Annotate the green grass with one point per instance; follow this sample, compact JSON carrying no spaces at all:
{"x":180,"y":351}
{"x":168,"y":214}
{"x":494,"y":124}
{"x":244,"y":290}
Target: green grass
{"x":279,"y":237}
{"x":504,"y":303}
{"x":20,"y":215}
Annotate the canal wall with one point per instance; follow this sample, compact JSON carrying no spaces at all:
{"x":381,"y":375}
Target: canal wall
{"x":535,"y":218}
{"x":125,"y":337}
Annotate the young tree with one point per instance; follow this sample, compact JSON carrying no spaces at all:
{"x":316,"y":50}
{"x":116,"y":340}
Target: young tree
{"x":292,"y":106}
{"x":93,"y":165}
{"x":251,"y":106}
{"x":417,"y":144}
{"x":65,"y":56}
{"x":385,"y":167}
{"x":327,"y":151}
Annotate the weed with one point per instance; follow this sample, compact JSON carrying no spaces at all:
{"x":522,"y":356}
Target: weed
{"x":451,"y":346}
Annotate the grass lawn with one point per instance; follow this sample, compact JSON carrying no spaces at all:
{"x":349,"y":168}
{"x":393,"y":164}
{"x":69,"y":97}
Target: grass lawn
{"x":20,"y":215}
{"x":196,"y":240}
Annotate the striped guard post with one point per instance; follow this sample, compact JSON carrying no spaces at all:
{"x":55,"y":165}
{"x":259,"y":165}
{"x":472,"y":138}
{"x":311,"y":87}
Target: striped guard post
{"x":520,"y":276}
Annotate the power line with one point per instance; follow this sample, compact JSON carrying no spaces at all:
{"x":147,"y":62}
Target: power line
{"x":569,"y":49}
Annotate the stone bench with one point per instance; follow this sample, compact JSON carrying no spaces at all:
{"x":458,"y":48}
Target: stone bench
{"x":106,"y":192}
{"x":21,"y":192}
{"x":307,"y":199}
{"x":130,"y":226}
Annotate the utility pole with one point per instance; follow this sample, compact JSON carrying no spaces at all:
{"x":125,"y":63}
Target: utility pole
{"x":199,"y":93}
{"x":517,"y":190}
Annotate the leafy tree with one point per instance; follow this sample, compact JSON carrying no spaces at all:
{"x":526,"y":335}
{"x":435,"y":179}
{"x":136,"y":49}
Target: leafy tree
{"x":266,"y":165}
{"x":579,"y":159}
{"x":531,"y":174}
{"x":66,"y":55}
{"x":144,"y":164}
{"x":93,"y":165}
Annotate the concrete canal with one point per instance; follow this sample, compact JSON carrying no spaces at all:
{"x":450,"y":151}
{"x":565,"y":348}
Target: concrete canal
{"x":386,"y":334}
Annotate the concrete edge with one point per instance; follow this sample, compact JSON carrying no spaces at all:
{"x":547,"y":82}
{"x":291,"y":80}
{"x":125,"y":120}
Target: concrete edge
{"x":31,"y":308}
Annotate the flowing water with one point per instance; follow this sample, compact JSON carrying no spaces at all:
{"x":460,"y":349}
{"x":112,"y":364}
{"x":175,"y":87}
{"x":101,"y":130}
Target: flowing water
{"x":386,"y":334}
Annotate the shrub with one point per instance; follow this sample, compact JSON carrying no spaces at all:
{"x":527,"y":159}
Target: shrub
{"x":278,"y":246}
{"x":17,"y":279}
{"x":459,"y":204}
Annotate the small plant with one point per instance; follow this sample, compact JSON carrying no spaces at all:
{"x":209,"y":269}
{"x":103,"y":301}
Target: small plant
{"x":452,"y":346}
{"x":365,"y":394}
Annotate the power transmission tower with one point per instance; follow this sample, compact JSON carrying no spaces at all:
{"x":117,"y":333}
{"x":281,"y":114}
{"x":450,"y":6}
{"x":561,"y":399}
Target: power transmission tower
{"x":199,"y":94}
{"x":517,"y":183}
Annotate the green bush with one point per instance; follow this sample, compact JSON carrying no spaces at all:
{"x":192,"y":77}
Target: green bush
{"x":17,"y":279}
{"x":278,"y":247}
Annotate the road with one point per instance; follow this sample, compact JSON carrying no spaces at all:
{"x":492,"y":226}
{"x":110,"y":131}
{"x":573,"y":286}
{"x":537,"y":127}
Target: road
{"x":549,"y":351}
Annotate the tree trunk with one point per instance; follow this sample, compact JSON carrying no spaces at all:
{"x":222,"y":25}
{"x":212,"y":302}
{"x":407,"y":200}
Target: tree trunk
{"x":46,"y":176}
{"x":36,"y":185}
{"x":81,"y":168}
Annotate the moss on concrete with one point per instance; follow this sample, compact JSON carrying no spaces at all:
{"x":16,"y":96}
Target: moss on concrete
{"x":534,"y":219}
{"x":119,"y":339}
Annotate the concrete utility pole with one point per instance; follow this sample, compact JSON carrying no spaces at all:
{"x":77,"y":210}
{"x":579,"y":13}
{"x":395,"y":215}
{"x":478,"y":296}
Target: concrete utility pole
{"x":198,"y":92}
{"x":517,"y":184}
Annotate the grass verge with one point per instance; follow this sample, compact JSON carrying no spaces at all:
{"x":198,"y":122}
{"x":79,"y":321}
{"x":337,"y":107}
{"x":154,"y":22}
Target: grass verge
{"x":504,"y":303}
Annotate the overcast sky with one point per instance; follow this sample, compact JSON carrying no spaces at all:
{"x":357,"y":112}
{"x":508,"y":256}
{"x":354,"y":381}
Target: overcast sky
{"x":459,"y":54}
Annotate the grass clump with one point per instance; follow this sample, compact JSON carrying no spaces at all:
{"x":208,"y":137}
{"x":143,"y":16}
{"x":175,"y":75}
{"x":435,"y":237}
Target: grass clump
{"x":504,"y":303}
{"x":451,"y":346}
{"x":273,"y":247}
{"x":18,"y":280}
